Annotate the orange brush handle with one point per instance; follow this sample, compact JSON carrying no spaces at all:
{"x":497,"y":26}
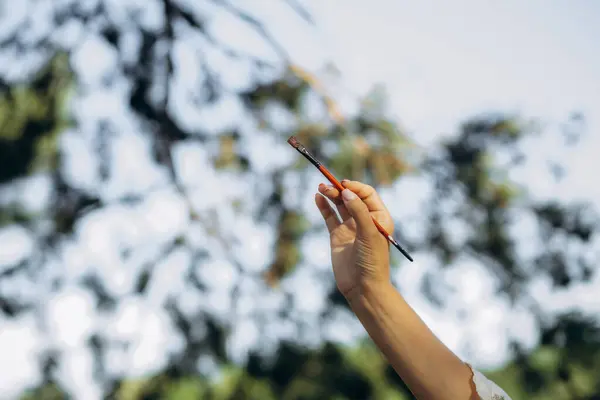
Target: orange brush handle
{"x":380,"y":228}
{"x":331,"y":178}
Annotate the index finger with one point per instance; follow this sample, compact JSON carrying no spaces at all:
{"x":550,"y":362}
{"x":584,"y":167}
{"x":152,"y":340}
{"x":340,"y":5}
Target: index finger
{"x":367,"y":194}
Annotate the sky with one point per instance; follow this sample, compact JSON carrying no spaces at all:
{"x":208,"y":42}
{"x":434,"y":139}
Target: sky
{"x":440,"y":62}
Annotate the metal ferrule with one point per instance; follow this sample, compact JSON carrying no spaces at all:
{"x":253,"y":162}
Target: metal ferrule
{"x":308,"y":156}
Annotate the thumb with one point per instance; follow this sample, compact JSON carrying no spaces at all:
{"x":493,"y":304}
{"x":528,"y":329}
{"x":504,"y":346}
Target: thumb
{"x":360,"y":212}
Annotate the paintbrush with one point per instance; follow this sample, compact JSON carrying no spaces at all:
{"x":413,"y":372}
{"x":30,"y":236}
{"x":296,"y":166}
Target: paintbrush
{"x":302,"y":150}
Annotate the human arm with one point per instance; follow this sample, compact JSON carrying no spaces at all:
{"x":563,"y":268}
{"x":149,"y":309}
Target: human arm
{"x":425,"y":364}
{"x":360,"y":258}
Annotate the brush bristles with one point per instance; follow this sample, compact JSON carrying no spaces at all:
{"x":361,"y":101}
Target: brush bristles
{"x":302,"y":150}
{"x":293,"y":142}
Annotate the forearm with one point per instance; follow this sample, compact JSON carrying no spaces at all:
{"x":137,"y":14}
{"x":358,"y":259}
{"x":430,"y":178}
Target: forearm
{"x":424,"y":363}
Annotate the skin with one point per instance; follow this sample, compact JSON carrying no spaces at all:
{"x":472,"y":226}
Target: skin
{"x":361,"y":266}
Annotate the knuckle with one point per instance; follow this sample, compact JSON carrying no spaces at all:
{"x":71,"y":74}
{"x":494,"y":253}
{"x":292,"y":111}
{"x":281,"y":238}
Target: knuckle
{"x":332,"y":192}
{"x":368,"y":191}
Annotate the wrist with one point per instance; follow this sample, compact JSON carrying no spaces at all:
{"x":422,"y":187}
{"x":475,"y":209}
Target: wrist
{"x":367,"y":290}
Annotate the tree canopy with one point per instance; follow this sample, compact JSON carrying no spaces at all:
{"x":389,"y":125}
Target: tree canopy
{"x":164,"y":185}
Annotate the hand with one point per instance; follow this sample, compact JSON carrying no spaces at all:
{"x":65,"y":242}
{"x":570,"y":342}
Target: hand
{"x":359,"y":252}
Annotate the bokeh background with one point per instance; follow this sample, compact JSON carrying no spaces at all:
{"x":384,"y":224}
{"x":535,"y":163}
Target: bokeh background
{"x":158,"y":237}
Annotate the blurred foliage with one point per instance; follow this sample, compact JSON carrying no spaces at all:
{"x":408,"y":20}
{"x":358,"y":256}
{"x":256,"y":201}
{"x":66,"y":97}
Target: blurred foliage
{"x":31,"y":116}
{"x":469,"y":186}
{"x":563,"y":367}
{"x":291,"y":227}
{"x":334,"y":372}
{"x":49,"y":392}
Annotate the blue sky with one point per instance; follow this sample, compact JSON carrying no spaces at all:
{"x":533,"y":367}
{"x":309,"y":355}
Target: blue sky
{"x":441,"y":62}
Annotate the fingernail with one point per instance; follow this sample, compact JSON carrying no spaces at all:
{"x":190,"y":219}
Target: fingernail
{"x":348,"y":195}
{"x":345,"y":181}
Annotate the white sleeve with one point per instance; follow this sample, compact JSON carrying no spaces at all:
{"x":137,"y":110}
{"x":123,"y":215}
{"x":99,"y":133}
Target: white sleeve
{"x":486,"y":389}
